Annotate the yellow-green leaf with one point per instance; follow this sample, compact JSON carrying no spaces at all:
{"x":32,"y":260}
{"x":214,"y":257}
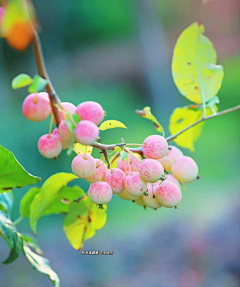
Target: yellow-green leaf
{"x":183,"y":117}
{"x":21,"y":81}
{"x":194,"y":68}
{"x":81,"y":149}
{"x":146,"y":113}
{"x":111,"y":124}
{"x":82,"y":220}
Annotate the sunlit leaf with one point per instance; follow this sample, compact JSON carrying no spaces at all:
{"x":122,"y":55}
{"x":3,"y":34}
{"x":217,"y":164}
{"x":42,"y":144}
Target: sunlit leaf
{"x":37,"y":85}
{"x":111,"y":124}
{"x":9,"y":233}
{"x":12,"y":174}
{"x":81,"y":149}
{"x":21,"y":81}
{"x":40,"y":264}
{"x":182,"y":118}
{"x":194,"y":68}
{"x":49,"y":192}
{"x":6,"y":202}
{"x":146,"y":113}
{"x":82,"y":220}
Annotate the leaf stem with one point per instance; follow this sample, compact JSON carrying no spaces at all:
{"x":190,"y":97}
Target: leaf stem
{"x":18,"y":220}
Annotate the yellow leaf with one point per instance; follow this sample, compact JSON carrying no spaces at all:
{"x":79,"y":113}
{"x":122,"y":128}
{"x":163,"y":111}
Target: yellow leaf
{"x":111,"y":124}
{"x":81,"y":149}
{"x":146,"y":113}
{"x":183,"y":117}
{"x":194,"y":68}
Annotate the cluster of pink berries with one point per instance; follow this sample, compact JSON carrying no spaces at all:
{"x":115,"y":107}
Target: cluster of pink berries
{"x":152,"y":180}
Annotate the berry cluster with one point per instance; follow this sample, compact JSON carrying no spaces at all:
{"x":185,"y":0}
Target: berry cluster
{"x":151,"y":179}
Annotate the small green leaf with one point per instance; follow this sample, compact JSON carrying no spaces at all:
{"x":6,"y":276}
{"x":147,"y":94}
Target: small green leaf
{"x":44,"y":199}
{"x":12,"y":174}
{"x":9,"y":233}
{"x":111,"y":124}
{"x":41,"y":264}
{"x":27,"y":200}
{"x":21,"y":81}
{"x":123,"y":155}
{"x":6,"y":202}
{"x":37,"y":85}
{"x":82,"y":220}
{"x":117,"y":149}
{"x":31,"y":242}
{"x":76,"y":118}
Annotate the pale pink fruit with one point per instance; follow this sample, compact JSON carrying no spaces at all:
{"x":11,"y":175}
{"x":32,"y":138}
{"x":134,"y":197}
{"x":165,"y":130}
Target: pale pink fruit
{"x":86,"y":132}
{"x":116,"y":178}
{"x":127,"y":196}
{"x":97,"y":174}
{"x":49,"y":146}
{"x":90,"y":111}
{"x":2,"y":11}
{"x":124,"y":166}
{"x":68,"y":107}
{"x":64,"y":131}
{"x":155,"y":146}
{"x":36,"y":107}
{"x":171,"y":178}
{"x":65,"y":144}
{"x":168,"y":194}
{"x":150,"y":200}
{"x":83,"y":165}
{"x":151,"y":170}
{"x":139,"y":201}
{"x":185,"y":169}
{"x":100,"y":192}
{"x":173,"y":154}
{"x":135,"y":185}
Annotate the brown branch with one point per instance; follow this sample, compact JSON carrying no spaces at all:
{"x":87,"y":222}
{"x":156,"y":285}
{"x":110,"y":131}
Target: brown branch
{"x":202,"y":120}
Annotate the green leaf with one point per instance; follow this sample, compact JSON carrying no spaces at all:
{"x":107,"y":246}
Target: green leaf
{"x":37,"y":85}
{"x":49,"y":192}
{"x":31,"y":242}
{"x":6,"y":202}
{"x":27,"y":200}
{"x":117,"y":149}
{"x":40,"y":264}
{"x":82,"y":220}
{"x":194,"y":68}
{"x":12,"y":174}
{"x":21,"y":81}
{"x":9,"y":233}
{"x":111,"y":124}
{"x":147,"y":114}
{"x":123,"y":155}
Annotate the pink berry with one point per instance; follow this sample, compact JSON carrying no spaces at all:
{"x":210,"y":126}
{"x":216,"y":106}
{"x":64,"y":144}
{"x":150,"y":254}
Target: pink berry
{"x":84,"y":165}
{"x":173,"y":154}
{"x":135,"y":185}
{"x":124,"y":166}
{"x":155,"y":146}
{"x":150,"y":200}
{"x":64,"y":132}
{"x":168,"y":194}
{"x":49,"y":146}
{"x":98,"y":172}
{"x":185,"y":169}
{"x":100,"y":192}
{"x":90,"y":111}
{"x":68,"y":107}
{"x":171,"y":178}
{"x":115,"y":178}
{"x":65,"y":144}
{"x":151,"y":170}
{"x":2,"y":10}
{"x":86,"y":132}
{"x":127,"y":196}
{"x":36,"y":107}
{"x":139,"y":201}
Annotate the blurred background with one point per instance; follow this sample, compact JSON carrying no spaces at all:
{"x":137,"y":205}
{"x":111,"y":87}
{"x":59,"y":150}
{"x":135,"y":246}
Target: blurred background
{"x":118,"y":53}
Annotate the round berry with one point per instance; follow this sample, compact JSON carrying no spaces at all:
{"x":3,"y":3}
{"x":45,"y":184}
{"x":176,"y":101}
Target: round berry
{"x":100,"y":192}
{"x":171,"y":178}
{"x":151,"y":170}
{"x":127,"y":196}
{"x":150,"y":200}
{"x":64,"y":132}
{"x":185,"y":169}
{"x":36,"y":107}
{"x":155,"y":146}
{"x":90,"y":111}
{"x":168,"y":194}
{"x":83,"y":165}
{"x":97,"y":175}
{"x":116,"y":178}
{"x":49,"y":146}
{"x":139,"y":201}
{"x":65,"y":144}
{"x":68,"y":107}
{"x":135,"y":185}
{"x":173,"y":154}
{"x":124,"y":165}
{"x":86,"y":132}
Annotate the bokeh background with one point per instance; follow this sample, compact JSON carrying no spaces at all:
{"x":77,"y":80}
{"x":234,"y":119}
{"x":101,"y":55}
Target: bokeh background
{"x":118,"y":53}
